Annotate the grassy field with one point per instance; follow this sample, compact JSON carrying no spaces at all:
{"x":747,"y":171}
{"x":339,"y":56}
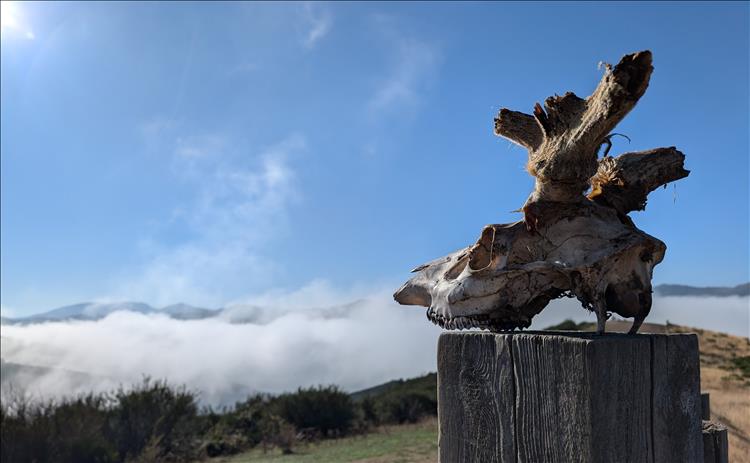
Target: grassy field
{"x":411,"y":443}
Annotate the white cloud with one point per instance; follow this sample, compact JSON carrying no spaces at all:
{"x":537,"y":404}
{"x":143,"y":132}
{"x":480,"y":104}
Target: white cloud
{"x":300,"y":338}
{"x":725,"y":314}
{"x":318,"y":23}
{"x":192,"y":147}
{"x":413,"y":68}
{"x":373,"y":341}
{"x":239,"y":206}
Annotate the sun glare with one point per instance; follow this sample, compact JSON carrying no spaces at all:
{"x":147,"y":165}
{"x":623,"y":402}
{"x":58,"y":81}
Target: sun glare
{"x":10,"y":20}
{"x":7,"y":15}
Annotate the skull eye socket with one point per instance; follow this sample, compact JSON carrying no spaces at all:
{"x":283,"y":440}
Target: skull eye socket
{"x":480,"y":256}
{"x":457,"y":268}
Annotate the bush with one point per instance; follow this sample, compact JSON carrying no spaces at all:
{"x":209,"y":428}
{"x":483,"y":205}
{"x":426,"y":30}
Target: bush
{"x":238,"y":429}
{"x":327,"y":410}
{"x":155,"y":422}
{"x":157,"y":415}
{"x":251,"y":423}
{"x":369,"y":408}
{"x":76,"y":431}
{"x":68,"y":431}
{"x":151,"y":422}
{"x":408,"y":407}
{"x":399,"y":401}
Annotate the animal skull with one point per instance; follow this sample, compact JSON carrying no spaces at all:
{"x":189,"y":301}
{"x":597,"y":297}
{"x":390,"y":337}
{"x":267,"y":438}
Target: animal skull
{"x":568,"y":244}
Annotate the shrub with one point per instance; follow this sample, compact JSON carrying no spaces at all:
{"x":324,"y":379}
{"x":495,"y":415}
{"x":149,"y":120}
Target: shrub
{"x":150,"y":422}
{"x":157,"y":415}
{"x":325,"y":409}
{"x":407,"y":407}
{"x":369,"y":408}
{"x":251,"y":423}
{"x":46,"y":431}
{"x":155,"y":422}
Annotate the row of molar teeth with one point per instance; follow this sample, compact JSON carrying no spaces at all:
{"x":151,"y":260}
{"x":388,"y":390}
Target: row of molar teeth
{"x":481,"y":321}
{"x":458,"y":323}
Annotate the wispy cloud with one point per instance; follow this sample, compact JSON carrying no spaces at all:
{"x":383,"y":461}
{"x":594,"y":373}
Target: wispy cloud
{"x":318,"y":22}
{"x":413,"y":67}
{"x":155,"y":128}
{"x":239,"y":205}
{"x":193,"y":147}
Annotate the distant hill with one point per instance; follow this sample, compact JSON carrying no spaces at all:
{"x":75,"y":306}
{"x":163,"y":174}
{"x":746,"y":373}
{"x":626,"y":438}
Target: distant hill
{"x":188,"y":312}
{"x":716,"y":291}
{"x":246,"y":313}
{"x":20,"y":375}
{"x":92,"y":311}
{"x":426,"y":385}
{"x":236,"y":314}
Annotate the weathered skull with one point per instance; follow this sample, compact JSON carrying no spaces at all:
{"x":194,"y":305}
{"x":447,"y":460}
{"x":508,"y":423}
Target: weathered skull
{"x":512,"y":273}
{"x":567,"y":244}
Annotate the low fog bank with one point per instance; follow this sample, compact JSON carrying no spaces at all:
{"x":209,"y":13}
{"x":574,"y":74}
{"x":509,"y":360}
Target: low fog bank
{"x":725,"y":314}
{"x":354,"y":345}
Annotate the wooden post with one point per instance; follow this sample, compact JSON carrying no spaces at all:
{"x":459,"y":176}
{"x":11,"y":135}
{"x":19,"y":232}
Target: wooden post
{"x":706,"y":406}
{"x":562,"y":397}
{"x":715,"y":443}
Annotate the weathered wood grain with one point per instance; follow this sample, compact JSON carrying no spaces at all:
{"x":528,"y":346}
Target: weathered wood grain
{"x":568,"y":397}
{"x":519,"y":127}
{"x":625,"y":181}
{"x":676,"y":397}
{"x":582,"y":398}
{"x":706,"y":406}
{"x":715,"y":443}
{"x":621,"y":401}
{"x":475,"y":398}
{"x":552,"y":396}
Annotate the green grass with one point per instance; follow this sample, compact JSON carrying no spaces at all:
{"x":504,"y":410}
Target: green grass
{"x":392,"y":444}
{"x":740,"y":369}
{"x":425,"y":385}
{"x":742,"y":365}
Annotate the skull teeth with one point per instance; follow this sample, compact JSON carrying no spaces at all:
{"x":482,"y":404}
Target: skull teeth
{"x":481,"y":321}
{"x":459,"y":323}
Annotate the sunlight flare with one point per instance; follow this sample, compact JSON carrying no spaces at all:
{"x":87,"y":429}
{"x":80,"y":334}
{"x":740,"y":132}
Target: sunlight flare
{"x":10,"y":20}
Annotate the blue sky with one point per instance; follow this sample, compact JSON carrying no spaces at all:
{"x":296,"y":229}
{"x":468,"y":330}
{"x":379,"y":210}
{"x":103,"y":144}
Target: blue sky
{"x":206,"y":152}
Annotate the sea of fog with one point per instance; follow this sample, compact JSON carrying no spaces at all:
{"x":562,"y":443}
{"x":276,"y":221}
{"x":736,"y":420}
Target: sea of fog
{"x":371,"y":342}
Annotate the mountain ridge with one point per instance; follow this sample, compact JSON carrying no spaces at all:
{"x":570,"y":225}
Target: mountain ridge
{"x":247,"y":313}
{"x":234,"y":314}
{"x":707,"y":291}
